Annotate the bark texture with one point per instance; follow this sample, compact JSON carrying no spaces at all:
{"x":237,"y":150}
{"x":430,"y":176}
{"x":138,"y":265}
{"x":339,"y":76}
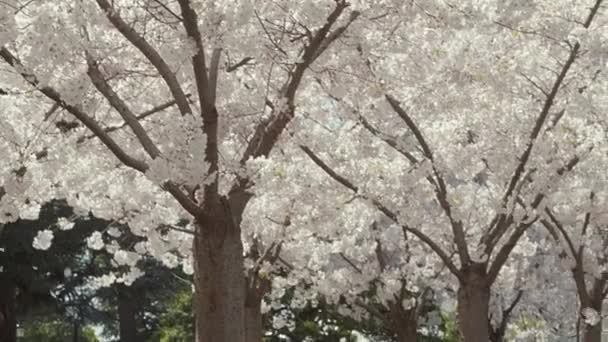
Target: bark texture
{"x":403,"y":323}
{"x":254,"y":329}
{"x":219,"y":278}
{"x":76,"y":332}
{"x":406,"y":328}
{"x":473,"y":304}
{"x":127,"y":315}
{"x":593,"y":334}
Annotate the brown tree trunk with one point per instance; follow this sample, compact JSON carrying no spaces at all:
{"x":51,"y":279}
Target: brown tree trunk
{"x":593,"y":334}
{"x":219,"y":278}
{"x":8,"y":320}
{"x":254,"y":329}
{"x":497,"y":336}
{"x":407,"y":330}
{"x":404,"y":323}
{"x":257,"y":287}
{"x":126,"y":316}
{"x":473,"y":304}
{"x":592,"y":298}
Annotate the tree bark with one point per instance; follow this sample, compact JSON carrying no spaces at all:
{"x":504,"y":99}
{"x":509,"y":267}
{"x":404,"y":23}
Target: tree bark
{"x":473,"y":304}
{"x":219,"y":277}
{"x":254,"y":329}
{"x":497,"y":336}
{"x":403,"y":323}
{"x":127,"y":314}
{"x":8,"y":320}
{"x":590,"y":298}
{"x":257,"y":287}
{"x":76,"y":331}
{"x":407,"y":331}
{"x":593,"y":333}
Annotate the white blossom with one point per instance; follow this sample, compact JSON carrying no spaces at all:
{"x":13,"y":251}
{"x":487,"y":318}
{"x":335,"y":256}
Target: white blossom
{"x":591,"y":316}
{"x":43,"y":239}
{"x":95,"y":241}
{"x":65,"y":224}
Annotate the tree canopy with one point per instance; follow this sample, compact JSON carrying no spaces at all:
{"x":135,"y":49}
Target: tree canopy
{"x":411,"y":165}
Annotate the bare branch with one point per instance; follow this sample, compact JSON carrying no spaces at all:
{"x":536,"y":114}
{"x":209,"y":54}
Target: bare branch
{"x":536,"y":85}
{"x":333,"y":174}
{"x":179,"y":229}
{"x":166,"y":8}
{"x":51,"y":111}
{"x":239,"y":64}
{"x":350,"y":262}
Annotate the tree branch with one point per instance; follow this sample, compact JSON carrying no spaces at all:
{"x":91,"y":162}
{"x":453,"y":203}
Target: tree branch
{"x":492,"y":238}
{"x":440,"y":185}
{"x":389,"y":141}
{"x":92,"y":125}
{"x":121,"y":107}
{"x":540,"y":121}
{"x":505,"y":250}
{"x":239,"y":64}
{"x":150,"y":53}
{"x":383,"y":209}
{"x":141,"y":116}
{"x":87,"y":120}
{"x":586,"y":222}
{"x":206,"y":86}
{"x":557,"y":224}
{"x":267,"y":132}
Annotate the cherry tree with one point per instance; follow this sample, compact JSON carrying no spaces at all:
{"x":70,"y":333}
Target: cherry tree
{"x":148,"y":112}
{"x":479,"y":129}
{"x":453,"y":123}
{"x":338,"y":250}
{"x":577,"y":219}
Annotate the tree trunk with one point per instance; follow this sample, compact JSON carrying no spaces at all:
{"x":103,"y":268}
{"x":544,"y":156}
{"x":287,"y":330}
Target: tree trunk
{"x":594,"y":299}
{"x":219,"y":278}
{"x":593,"y":333}
{"x":257,"y":287}
{"x":407,"y":331}
{"x":8,"y":320}
{"x":254,"y":329}
{"x":76,"y":331}
{"x":126,"y":316}
{"x":404,"y":323}
{"x":497,"y":336}
{"x":473,"y":304}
